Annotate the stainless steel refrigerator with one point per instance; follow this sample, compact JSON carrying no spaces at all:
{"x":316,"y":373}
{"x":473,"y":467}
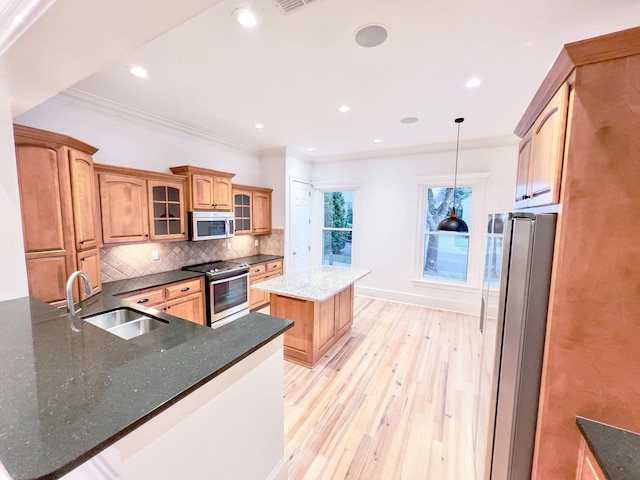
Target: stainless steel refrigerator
{"x":513,"y":320}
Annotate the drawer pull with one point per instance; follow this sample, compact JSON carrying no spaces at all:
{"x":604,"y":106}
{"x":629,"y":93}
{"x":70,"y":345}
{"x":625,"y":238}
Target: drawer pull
{"x":143,"y":300}
{"x":185,"y":289}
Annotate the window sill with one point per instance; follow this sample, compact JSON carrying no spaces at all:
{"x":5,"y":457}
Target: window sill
{"x":443,"y":285}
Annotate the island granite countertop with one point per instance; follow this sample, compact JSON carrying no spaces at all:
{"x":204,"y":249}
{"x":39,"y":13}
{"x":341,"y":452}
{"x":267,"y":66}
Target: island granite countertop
{"x":616,"y":450}
{"x":68,"y":395}
{"x":315,"y":284}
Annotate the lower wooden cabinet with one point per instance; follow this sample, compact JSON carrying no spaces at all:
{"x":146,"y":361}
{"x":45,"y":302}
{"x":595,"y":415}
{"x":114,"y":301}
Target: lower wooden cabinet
{"x":259,"y":273}
{"x":588,"y":468}
{"x":183,"y":299}
{"x":318,"y":325}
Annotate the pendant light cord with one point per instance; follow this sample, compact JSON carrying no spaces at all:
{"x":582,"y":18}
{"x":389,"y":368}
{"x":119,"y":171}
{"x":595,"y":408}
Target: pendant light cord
{"x":455,"y":176}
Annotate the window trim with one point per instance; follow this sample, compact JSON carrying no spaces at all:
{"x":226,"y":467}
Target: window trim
{"x":478,"y":182}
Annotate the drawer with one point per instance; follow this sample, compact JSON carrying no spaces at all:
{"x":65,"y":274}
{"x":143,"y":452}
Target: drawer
{"x":257,"y":269}
{"x":147,"y":298}
{"x":177,"y":290}
{"x":274,"y":265}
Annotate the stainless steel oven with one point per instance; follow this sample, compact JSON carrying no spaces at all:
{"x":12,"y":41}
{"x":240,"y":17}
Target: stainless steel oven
{"x":228,"y":292}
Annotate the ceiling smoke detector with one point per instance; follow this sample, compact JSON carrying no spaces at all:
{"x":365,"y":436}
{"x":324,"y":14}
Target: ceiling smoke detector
{"x":286,"y":6}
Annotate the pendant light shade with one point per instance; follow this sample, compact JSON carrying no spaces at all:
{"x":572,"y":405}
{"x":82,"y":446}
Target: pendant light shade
{"x":452,"y":223}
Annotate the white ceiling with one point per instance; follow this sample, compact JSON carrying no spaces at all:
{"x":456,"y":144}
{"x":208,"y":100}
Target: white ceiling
{"x":295,"y":70}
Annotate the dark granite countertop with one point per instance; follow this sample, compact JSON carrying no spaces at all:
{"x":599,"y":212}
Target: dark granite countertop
{"x":261,"y":258}
{"x":65,"y":395}
{"x":616,"y":450}
{"x":119,"y":287}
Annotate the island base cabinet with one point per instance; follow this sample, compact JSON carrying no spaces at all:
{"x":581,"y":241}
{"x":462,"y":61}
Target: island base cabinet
{"x":318,"y":325}
{"x":231,"y":427}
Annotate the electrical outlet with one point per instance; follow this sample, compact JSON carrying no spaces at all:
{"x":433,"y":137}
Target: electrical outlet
{"x":228,"y":245}
{"x":155,"y":255}
{"x":256,"y":243}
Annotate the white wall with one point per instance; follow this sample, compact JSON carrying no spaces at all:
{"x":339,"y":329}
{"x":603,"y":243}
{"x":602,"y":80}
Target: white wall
{"x":386,"y":219}
{"x":273,"y":175}
{"x":13,"y":274}
{"x":138,"y":144}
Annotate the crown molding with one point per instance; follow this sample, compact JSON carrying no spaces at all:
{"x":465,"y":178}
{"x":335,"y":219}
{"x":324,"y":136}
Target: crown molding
{"x":79,"y":98}
{"x":504,"y":141}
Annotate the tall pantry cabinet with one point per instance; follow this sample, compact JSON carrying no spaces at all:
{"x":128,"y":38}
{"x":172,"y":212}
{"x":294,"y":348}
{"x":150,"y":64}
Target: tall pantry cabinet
{"x":591,"y":360}
{"x":57,"y":197}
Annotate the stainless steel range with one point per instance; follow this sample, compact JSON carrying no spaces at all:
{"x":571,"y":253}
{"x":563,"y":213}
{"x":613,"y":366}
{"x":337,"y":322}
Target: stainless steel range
{"x":228,"y":292}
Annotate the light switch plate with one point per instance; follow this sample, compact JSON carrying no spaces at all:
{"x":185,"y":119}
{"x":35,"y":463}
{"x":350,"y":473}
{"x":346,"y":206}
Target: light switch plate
{"x":256,"y":243}
{"x":228,"y":245}
{"x":155,"y":255}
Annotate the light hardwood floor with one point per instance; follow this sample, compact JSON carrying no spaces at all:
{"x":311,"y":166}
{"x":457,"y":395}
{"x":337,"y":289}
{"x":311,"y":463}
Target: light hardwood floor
{"x":394,"y":399}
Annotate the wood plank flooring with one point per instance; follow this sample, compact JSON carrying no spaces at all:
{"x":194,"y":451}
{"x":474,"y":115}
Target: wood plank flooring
{"x":393,"y":399}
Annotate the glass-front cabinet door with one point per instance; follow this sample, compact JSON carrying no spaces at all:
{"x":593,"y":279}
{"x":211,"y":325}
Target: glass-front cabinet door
{"x":167,"y":210}
{"x":242,"y":209}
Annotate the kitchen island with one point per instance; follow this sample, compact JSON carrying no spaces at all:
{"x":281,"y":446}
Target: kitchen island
{"x":181,"y":401}
{"x":320,"y":302}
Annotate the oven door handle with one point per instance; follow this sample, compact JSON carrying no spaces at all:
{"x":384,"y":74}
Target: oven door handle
{"x":236,"y":277}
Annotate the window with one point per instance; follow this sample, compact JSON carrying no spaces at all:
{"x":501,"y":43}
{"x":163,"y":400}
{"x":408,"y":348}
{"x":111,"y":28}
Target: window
{"x":337,"y":229}
{"x":446,"y":254}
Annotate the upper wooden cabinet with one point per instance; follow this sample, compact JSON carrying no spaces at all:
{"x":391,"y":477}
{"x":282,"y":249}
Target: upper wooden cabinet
{"x":140,"y":206}
{"x":592,"y":328}
{"x":206,"y":189}
{"x":540,"y":155}
{"x":252,"y":208}
{"x":57,"y":191}
{"x":167,"y":209}
{"x":124,"y":209}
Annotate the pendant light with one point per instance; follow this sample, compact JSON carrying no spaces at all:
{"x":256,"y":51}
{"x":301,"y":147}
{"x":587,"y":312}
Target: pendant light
{"x":452,"y":223}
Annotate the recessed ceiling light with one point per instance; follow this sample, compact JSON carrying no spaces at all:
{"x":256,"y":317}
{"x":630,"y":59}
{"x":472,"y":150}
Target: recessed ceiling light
{"x":371,"y":35}
{"x":259,"y":126}
{"x":245,"y":17}
{"x":377,"y":140}
{"x":137,"y":71}
{"x":344,"y":108}
{"x":473,"y":82}
{"x":409,"y":120}
{"x":309,"y":149}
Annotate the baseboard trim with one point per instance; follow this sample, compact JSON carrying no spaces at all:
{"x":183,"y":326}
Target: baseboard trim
{"x":440,"y":303}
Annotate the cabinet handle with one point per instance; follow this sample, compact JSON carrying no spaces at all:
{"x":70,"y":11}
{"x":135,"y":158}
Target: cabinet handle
{"x":83,"y":259}
{"x":81,"y":242}
{"x":146,"y":235}
{"x":168,"y":308}
{"x":525,"y":197}
{"x":143,"y":300}
{"x":257,"y":270}
{"x":185,"y":289}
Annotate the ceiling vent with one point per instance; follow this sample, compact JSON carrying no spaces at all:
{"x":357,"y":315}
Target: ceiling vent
{"x":287,"y":6}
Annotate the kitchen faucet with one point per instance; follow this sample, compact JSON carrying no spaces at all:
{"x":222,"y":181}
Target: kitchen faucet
{"x":87,"y":289}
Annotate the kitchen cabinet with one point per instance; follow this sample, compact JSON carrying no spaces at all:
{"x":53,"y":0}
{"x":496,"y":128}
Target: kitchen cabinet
{"x":540,"y":155}
{"x":167,"y":209}
{"x":318,"y":325}
{"x":140,"y":206}
{"x":57,"y":191}
{"x":259,"y":273}
{"x":184,"y":299}
{"x":123,"y":208}
{"x":588,"y":468}
{"x":592,"y":330}
{"x":207,"y":189}
{"x":252,"y":208}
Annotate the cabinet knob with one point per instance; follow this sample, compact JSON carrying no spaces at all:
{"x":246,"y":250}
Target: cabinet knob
{"x":525,"y":197}
{"x":81,"y":242}
{"x":143,"y":300}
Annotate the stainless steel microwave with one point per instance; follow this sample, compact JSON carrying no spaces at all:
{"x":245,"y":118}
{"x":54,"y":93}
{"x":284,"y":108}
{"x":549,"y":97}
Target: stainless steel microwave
{"x":210,"y":225}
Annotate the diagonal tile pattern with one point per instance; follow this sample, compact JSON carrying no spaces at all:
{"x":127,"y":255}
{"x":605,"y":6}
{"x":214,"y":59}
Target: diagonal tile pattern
{"x":121,"y":262}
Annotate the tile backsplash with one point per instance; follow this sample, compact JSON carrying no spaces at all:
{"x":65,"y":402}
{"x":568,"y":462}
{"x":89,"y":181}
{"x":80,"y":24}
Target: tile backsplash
{"x":127,"y":261}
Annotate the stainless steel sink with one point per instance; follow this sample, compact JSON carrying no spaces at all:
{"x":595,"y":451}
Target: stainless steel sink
{"x":125,"y":323}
